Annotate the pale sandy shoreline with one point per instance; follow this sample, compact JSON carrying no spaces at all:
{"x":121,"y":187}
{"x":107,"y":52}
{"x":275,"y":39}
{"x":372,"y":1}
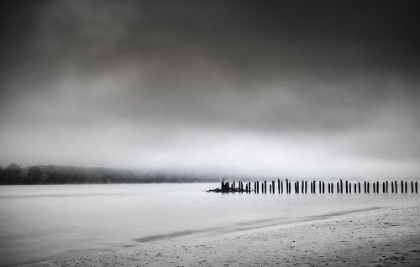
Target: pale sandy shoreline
{"x":378,"y":238}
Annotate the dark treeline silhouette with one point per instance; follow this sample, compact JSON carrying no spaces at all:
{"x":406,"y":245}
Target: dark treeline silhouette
{"x":54,"y":174}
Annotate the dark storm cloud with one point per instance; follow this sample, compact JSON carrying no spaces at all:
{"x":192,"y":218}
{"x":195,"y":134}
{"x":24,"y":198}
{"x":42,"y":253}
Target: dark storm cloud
{"x":341,"y":76}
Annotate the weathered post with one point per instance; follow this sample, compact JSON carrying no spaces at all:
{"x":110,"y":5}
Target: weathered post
{"x":273,"y":186}
{"x":383,"y":187}
{"x":290,"y":187}
{"x":396,"y":187}
{"x":287,"y":186}
{"x":278,"y":185}
{"x":392,"y":187}
{"x":360,"y":187}
{"x":341,"y":186}
{"x":365,"y":187}
{"x":416,"y":187}
{"x":323,"y":188}
{"x":303,"y":187}
{"x":332,"y":187}
{"x":347,"y":187}
{"x":368,"y":187}
{"x":406,"y":187}
{"x":306,"y":187}
{"x":355,"y":188}
{"x":319,"y":187}
{"x":374,"y":187}
{"x":338,"y":187}
{"x":265,"y":187}
{"x":412,"y":187}
{"x":258,"y":187}
{"x":329,"y":188}
{"x":402,"y":187}
{"x":386,"y":186}
{"x":377,"y":187}
{"x":281,"y":186}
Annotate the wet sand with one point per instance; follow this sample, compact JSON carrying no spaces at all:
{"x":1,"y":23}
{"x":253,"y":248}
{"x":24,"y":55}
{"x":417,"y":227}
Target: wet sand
{"x":376,"y":238}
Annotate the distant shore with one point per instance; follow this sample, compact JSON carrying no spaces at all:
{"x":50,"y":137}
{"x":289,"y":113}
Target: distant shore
{"x":378,"y":238}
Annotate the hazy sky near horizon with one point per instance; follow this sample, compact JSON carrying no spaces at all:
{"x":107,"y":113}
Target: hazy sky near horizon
{"x":257,"y":88}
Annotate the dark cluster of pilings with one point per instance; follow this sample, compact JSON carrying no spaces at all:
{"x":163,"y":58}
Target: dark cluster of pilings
{"x":285,"y":187}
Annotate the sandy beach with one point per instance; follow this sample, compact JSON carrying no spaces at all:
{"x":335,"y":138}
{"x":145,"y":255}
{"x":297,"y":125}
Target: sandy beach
{"x":376,"y":238}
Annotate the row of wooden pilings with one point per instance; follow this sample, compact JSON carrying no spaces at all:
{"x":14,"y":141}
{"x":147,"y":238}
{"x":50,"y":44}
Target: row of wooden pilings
{"x":302,"y":187}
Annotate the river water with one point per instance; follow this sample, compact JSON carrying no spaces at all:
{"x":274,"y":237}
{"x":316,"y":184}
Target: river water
{"x":39,"y":222}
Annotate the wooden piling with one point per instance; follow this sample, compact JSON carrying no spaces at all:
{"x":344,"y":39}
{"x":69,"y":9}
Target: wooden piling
{"x":360,"y":187}
{"x":386,"y":187}
{"x":273,"y":186}
{"x":347,"y":187}
{"x":265,"y":187}
{"x":402,"y":187}
{"x":281,"y":186}
{"x":396,"y":187}
{"x":374,"y":187}
{"x":392,"y":187}
{"x":406,"y":187}
{"x":287,"y":186}
{"x":355,"y":188}
{"x":377,"y":187}
{"x":412,"y":187}
{"x":341,"y":186}
{"x":278,"y":185}
{"x":329,"y":188}
{"x":368,"y":187}
{"x":416,"y":187}
{"x":365,"y":186}
{"x":306,"y":187}
{"x":332,"y":187}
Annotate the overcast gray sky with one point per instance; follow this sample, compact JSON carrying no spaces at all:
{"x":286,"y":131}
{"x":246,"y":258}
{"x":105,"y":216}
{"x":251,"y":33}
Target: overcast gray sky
{"x":258,"y":88}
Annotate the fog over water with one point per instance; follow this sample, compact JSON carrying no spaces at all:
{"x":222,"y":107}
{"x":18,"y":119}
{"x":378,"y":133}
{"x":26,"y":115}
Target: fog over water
{"x":290,"y":89}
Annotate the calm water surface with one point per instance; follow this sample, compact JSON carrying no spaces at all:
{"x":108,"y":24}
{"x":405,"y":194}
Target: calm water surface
{"x":48,"y":221}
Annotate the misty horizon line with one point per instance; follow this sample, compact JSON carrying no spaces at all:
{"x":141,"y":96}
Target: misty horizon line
{"x":70,"y":174}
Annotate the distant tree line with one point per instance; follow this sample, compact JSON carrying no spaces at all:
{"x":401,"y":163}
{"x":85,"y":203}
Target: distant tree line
{"x":53,"y":174}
